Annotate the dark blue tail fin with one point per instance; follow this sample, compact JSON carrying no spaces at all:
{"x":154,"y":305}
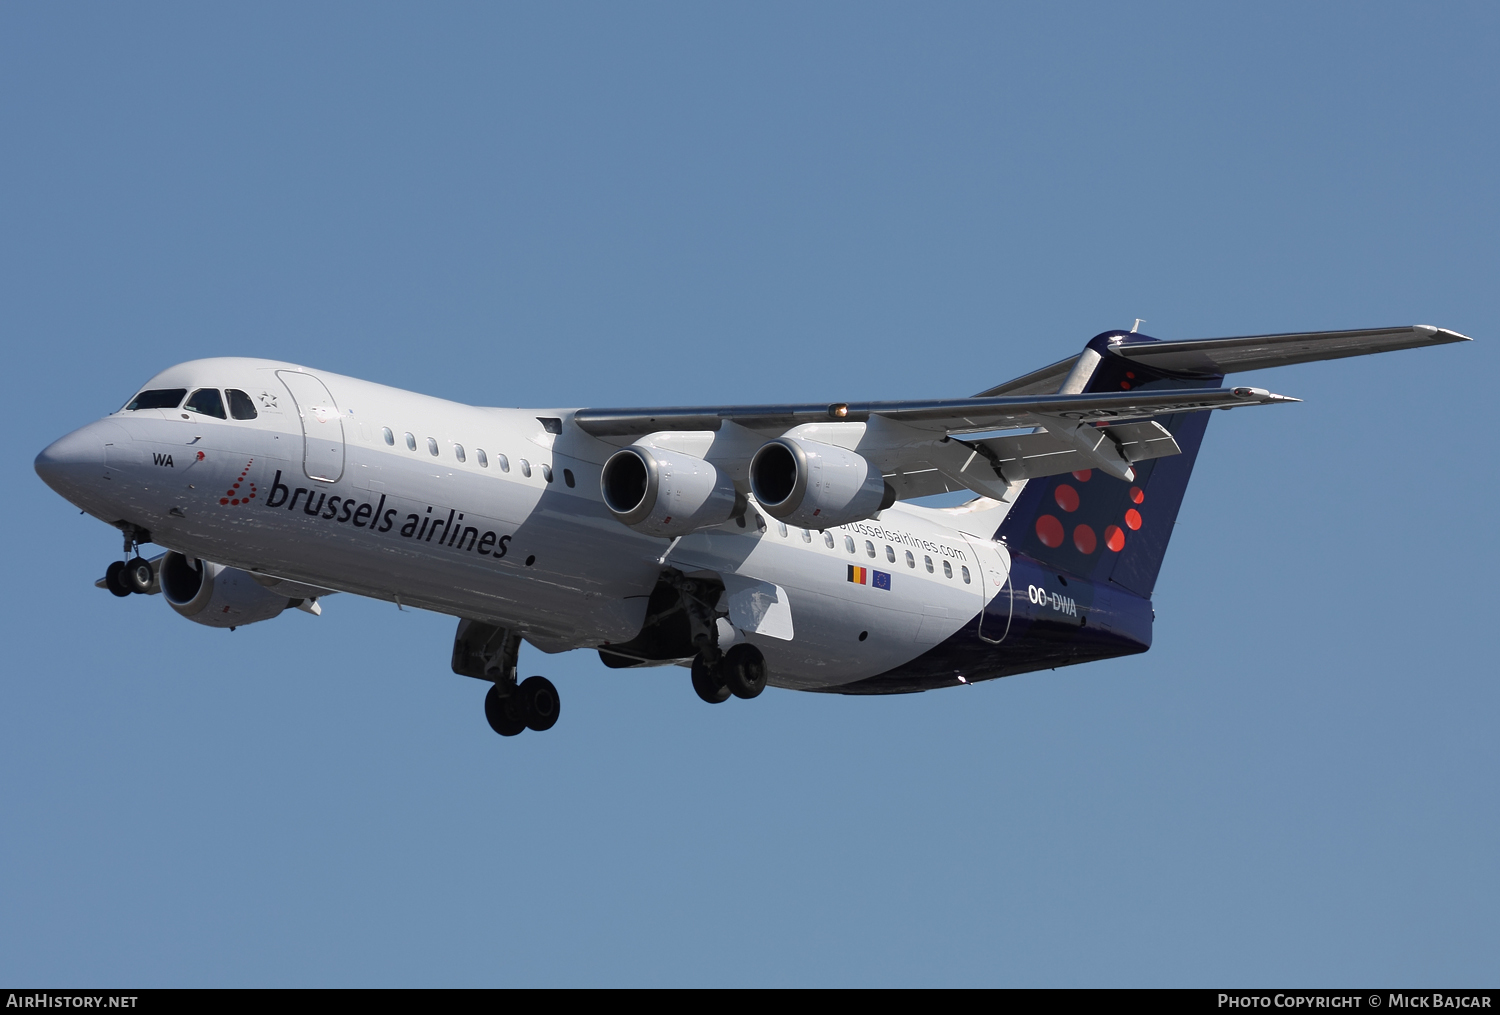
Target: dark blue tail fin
{"x":1101,"y":528}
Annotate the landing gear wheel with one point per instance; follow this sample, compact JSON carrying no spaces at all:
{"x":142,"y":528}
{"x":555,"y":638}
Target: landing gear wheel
{"x":114,"y":579}
{"x":538,"y":703}
{"x":708,"y":681}
{"x":744,"y":670}
{"x":503,"y":713}
{"x":138,"y":575}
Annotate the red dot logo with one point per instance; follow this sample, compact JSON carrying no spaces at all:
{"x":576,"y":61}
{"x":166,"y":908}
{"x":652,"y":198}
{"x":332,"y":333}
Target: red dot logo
{"x":1083,"y":475}
{"x":1050,"y":531}
{"x":234,"y":497}
{"x":1066,"y":497}
{"x":1137,"y":495}
{"x":1085,"y":540}
{"x":1124,"y":385}
{"x":1114,"y":538}
{"x":1133,"y":519}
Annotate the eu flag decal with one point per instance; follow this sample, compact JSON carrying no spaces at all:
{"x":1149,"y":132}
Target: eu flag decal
{"x":858,"y":575}
{"x":881,"y":580}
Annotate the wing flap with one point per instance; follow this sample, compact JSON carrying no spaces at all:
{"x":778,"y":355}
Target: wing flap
{"x":1034,"y":455}
{"x":1140,"y":442}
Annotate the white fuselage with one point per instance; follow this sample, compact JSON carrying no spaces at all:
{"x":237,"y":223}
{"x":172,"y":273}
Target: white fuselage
{"x":511,"y":530}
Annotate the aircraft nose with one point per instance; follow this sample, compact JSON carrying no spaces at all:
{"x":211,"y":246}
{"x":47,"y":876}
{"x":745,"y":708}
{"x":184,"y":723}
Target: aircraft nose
{"x":70,"y":462}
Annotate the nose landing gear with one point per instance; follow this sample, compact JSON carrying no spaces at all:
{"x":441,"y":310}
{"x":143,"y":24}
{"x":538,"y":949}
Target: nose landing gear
{"x":114,"y":579}
{"x":135,"y":575}
{"x":139,"y":576}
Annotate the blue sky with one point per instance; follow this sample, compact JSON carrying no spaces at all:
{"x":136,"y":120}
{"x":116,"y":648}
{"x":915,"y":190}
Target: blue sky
{"x":652,"y":204}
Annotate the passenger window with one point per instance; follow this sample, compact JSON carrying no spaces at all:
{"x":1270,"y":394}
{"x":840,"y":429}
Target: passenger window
{"x":910,"y":560}
{"x":458,"y":452}
{"x":525,"y":468}
{"x":161,"y":398}
{"x":547,"y":472}
{"x":928,"y":561}
{"x":411,"y":443}
{"x":965,"y":572}
{"x":828,"y":539}
{"x":849,"y":543}
{"x":208,"y":401}
{"x":432,"y":446}
{"x":781,"y":529}
{"x":947,"y":570}
{"x":568,"y":477}
{"x":503,"y":462}
{"x":482,"y":458}
{"x":806,"y":536}
{"x":890,"y":553}
{"x":240,"y":405}
{"x":869,"y":548}
{"x":390,"y":438}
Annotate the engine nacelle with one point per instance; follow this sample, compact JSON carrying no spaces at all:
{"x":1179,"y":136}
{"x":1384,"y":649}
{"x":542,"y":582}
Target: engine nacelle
{"x":666,"y":493}
{"x":217,"y":596}
{"x":817,"y":486}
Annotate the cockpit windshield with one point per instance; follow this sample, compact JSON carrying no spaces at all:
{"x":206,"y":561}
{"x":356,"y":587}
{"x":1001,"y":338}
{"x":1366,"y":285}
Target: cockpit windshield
{"x":157,"y":398}
{"x":208,"y":401}
{"x":240,"y":405}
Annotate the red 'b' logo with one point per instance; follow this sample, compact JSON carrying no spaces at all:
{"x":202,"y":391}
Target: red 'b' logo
{"x":234,"y":495}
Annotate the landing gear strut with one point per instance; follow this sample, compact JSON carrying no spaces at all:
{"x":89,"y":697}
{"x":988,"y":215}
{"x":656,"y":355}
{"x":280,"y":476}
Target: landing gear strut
{"x":490,"y":653}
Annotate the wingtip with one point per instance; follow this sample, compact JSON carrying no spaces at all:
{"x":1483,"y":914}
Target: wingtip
{"x":1440,"y":335}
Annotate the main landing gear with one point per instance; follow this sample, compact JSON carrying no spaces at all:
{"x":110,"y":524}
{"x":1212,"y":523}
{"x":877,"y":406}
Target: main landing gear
{"x":531,"y":706}
{"x":741,"y":672}
{"x":490,"y":653}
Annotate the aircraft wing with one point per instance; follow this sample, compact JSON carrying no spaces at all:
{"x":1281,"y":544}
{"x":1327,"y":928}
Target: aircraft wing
{"x":1215,"y":357}
{"x":1209,"y":357}
{"x":912,"y":442}
{"x":942,"y":416}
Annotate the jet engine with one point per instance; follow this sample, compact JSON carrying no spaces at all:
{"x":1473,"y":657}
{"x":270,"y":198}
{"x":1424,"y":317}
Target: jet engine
{"x":217,"y":596}
{"x":816,"y":486}
{"x":666,"y":493}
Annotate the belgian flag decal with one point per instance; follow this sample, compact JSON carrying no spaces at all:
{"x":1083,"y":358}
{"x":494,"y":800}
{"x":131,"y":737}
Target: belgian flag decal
{"x":865,"y":576}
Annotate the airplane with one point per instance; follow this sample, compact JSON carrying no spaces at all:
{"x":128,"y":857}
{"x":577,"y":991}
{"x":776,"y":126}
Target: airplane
{"x":751,"y":544}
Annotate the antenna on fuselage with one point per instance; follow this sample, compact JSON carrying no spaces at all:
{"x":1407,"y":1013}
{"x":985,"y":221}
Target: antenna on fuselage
{"x":1138,"y":322}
